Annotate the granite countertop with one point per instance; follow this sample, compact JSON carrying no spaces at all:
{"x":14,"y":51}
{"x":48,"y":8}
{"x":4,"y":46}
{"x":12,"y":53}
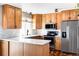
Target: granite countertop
{"x":28,"y":40}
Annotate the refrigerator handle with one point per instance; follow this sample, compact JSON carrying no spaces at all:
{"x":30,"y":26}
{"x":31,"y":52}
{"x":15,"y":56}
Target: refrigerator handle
{"x":67,"y":31}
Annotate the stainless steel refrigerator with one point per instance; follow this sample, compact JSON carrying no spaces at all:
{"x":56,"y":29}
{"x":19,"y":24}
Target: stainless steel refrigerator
{"x":70,"y":36}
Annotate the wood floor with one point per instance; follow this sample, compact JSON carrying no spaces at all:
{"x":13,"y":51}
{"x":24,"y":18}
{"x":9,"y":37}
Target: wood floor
{"x":59,"y":53}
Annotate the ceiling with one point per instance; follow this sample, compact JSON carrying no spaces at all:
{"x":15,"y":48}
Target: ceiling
{"x":43,"y":8}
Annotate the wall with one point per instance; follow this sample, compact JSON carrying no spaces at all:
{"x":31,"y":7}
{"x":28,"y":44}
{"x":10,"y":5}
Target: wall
{"x":26,"y":24}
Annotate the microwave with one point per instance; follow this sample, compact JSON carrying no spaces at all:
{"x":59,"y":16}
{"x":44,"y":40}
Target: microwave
{"x":50,"y":26}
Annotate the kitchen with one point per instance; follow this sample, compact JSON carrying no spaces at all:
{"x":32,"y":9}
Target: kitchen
{"x":26,"y":32}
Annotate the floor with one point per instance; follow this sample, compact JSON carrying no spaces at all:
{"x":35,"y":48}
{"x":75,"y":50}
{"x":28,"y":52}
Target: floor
{"x":59,"y":53}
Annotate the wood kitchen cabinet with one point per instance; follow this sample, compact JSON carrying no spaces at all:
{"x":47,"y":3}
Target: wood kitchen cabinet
{"x":57,"y":43}
{"x":73,"y":15}
{"x":37,"y":21}
{"x":3,"y":48}
{"x":43,"y":20}
{"x":59,"y":20}
{"x":11,"y":17}
{"x":65,"y":15}
{"x":16,"y":49}
{"x":8,"y":16}
{"x":36,"y":50}
{"x":18,"y":17}
{"x":77,"y":13}
{"x":51,"y":18}
{"x":48,"y":18}
{"x":70,"y":14}
{"x":54,"y":17}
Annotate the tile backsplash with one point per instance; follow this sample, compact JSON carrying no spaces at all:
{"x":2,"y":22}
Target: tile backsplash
{"x":9,"y":33}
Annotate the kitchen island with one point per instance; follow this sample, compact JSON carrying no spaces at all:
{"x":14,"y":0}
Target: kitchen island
{"x":20,"y":46}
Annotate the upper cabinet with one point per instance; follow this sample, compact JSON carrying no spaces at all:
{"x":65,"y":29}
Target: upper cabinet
{"x":70,"y":14}
{"x":43,"y":20}
{"x":73,"y":15}
{"x":65,"y":15}
{"x":53,"y":17}
{"x":58,"y":21}
{"x":11,"y":17}
{"x":8,"y":16}
{"x":18,"y":17}
{"x":50,"y":18}
{"x":37,"y":21}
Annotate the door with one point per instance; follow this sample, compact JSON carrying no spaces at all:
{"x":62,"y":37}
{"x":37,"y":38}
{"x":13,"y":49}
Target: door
{"x":38,"y":21}
{"x":64,"y":40}
{"x":73,"y":14}
{"x":3,"y":48}
{"x":66,"y":15}
{"x":18,"y":17}
{"x":78,"y":35}
{"x":73,"y":36}
{"x":15,"y":49}
{"x":8,"y":17}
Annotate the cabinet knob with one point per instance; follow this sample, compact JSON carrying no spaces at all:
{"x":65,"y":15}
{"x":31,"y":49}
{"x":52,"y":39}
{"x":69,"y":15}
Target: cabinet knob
{"x":69,"y":17}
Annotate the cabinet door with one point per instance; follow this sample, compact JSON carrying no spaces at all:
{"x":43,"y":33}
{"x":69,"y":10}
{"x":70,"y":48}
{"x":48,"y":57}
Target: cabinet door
{"x":15,"y":49}
{"x":48,"y":18}
{"x":66,"y":15}
{"x":3,"y":48}
{"x":8,"y":17}
{"x":18,"y":17}
{"x":57,"y":43}
{"x":77,"y":13}
{"x":38,"y":21}
{"x":53,"y":17}
{"x":58,"y":22}
{"x":43,"y":20}
{"x":36,"y":50}
{"x":73,"y":15}
{"x":4,"y":17}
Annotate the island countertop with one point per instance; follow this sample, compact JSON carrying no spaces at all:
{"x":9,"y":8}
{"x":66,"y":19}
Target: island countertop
{"x":28,"y":40}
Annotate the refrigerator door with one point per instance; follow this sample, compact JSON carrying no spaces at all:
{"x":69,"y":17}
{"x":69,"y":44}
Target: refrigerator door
{"x":78,"y":37}
{"x":64,"y":40}
{"x":73,"y":36}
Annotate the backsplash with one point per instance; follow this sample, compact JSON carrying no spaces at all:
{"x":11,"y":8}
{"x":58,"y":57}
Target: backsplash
{"x":44,"y":32}
{"x":9,"y":33}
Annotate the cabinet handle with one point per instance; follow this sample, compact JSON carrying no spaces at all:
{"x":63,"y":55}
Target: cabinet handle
{"x":69,"y":17}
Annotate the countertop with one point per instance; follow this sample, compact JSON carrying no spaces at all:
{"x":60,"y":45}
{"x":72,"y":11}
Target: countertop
{"x":28,"y":40}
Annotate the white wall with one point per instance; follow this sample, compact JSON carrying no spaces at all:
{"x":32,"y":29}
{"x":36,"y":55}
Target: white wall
{"x":26,"y":24}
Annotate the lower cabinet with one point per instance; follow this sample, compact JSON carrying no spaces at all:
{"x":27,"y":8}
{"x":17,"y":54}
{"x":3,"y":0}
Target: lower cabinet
{"x":3,"y":48}
{"x":13,"y":48}
{"x":58,"y":43}
{"x":16,"y":49}
{"x":36,"y":50}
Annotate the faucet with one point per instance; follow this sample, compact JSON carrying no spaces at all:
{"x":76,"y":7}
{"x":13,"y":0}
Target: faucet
{"x":27,"y":31}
